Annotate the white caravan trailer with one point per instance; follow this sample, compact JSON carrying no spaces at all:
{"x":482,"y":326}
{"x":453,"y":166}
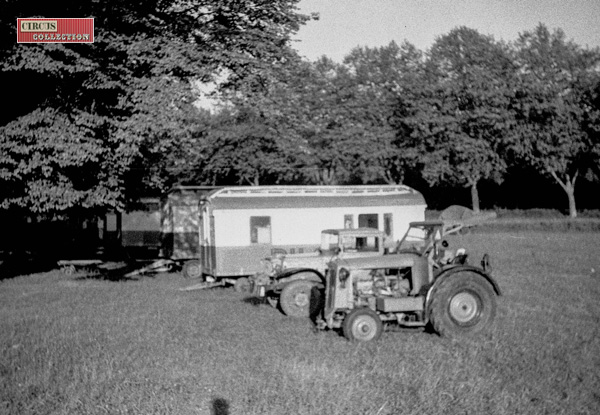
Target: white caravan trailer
{"x":240,"y":226}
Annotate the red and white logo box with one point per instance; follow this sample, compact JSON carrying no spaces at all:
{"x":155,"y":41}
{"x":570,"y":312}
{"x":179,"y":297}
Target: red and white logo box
{"x":55,"y":30}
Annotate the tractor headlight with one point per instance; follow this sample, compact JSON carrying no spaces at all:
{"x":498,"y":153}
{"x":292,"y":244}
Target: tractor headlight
{"x":343,"y":275}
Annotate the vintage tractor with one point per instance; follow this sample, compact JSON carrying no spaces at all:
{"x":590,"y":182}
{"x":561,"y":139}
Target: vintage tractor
{"x":426,"y":282}
{"x":289,"y":278}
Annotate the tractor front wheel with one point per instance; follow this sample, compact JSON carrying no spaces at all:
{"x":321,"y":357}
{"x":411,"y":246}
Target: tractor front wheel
{"x":463,"y":304}
{"x":362,"y":324}
{"x":192,"y":269}
{"x":298,"y":299}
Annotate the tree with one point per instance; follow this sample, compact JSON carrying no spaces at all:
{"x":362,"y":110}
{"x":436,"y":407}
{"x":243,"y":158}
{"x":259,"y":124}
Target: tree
{"x":337,"y":138}
{"x":380,"y":75}
{"x":309,"y":114}
{"x":97,"y":116}
{"x":240,"y":149}
{"x":450,"y":122}
{"x":320,"y":122}
{"x":346,"y":136}
{"x":554,"y":107}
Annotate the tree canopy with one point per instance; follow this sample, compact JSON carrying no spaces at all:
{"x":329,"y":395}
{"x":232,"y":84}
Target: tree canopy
{"x":93,"y":121}
{"x":96,"y":125}
{"x":558,"y":120}
{"x":452,"y":120}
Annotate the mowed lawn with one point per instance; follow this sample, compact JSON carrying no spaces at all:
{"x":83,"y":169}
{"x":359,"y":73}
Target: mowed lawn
{"x":71,"y":345}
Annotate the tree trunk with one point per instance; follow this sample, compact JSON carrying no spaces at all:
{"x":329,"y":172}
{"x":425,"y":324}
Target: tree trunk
{"x":572,"y":207}
{"x":250,"y":180}
{"x":474,"y":197}
{"x":326,"y":177}
{"x":568,"y":186}
{"x":387,"y":177}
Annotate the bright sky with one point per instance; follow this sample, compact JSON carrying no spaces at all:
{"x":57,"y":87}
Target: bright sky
{"x":345,"y":24}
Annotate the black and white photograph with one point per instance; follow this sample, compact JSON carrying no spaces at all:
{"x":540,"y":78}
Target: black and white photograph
{"x":341,"y":207}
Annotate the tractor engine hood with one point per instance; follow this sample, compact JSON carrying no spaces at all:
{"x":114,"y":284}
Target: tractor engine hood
{"x":386,"y":261}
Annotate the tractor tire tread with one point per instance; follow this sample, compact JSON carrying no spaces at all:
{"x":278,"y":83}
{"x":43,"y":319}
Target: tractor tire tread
{"x":441,"y":295}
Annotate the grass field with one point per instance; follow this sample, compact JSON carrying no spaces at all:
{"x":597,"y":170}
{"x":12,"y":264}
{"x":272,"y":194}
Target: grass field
{"x":73,"y":345}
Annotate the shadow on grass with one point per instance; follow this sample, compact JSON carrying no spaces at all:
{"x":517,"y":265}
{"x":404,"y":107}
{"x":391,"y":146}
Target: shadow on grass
{"x":113,"y":271}
{"x":255,"y":301}
{"x":17,"y":263}
{"x":220,"y":406}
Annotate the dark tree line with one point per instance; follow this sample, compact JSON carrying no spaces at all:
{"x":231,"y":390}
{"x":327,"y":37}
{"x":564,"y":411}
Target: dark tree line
{"x":103,"y":124}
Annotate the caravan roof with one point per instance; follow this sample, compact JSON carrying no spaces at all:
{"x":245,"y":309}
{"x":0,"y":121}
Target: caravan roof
{"x":184,"y":188}
{"x":247,"y":197}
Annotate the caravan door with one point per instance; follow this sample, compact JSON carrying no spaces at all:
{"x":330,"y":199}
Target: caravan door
{"x":207,"y":239}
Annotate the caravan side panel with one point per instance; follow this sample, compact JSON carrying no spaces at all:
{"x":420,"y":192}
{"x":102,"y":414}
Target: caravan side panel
{"x":249,"y":223}
{"x":244,"y":237}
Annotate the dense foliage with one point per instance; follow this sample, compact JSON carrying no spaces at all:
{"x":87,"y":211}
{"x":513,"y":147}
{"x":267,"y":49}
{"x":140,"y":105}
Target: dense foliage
{"x":554,"y":103}
{"x":93,"y":122}
{"x":98,"y":125}
{"x":453,"y":120}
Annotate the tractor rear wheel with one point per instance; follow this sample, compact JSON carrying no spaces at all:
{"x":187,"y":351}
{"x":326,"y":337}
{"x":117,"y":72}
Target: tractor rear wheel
{"x":192,"y":269}
{"x":362,"y":324}
{"x":298,"y":299}
{"x":463,"y":304}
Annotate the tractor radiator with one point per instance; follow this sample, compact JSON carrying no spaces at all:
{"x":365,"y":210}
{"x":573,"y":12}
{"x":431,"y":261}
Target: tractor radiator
{"x":393,"y":305}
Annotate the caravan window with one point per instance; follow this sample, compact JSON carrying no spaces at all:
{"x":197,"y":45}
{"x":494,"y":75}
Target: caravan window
{"x":368,"y":220}
{"x":348,"y":221}
{"x":111,"y":222}
{"x":360,"y":243}
{"x":260,"y":229}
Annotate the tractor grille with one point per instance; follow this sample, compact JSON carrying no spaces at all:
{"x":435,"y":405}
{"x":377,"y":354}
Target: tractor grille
{"x":330,"y":289}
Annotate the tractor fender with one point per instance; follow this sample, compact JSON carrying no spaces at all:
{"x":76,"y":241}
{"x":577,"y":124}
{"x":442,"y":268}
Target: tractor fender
{"x":294,"y":274}
{"x":460,"y":268}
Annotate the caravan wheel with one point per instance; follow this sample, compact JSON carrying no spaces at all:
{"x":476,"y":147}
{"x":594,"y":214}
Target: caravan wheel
{"x":192,"y":269}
